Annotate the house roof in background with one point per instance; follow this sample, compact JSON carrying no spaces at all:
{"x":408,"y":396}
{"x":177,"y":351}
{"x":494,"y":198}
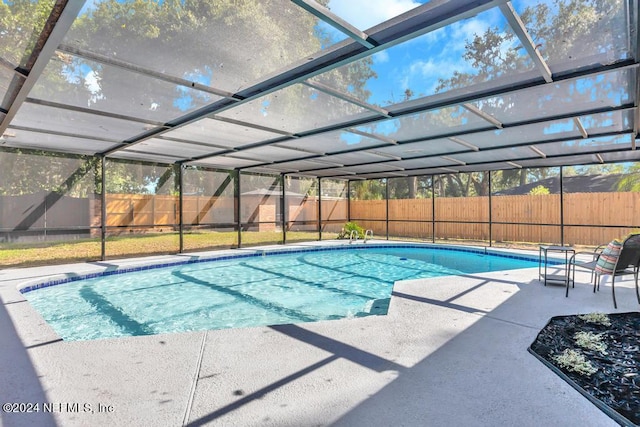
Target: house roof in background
{"x":570,"y":184}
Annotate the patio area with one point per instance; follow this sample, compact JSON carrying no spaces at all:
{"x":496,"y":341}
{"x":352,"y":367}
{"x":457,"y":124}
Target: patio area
{"x":451,"y":351}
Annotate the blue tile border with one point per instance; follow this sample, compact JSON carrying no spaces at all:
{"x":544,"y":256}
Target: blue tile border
{"x":267,"y":252}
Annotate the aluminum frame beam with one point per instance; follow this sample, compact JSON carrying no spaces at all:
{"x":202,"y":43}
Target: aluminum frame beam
{"x":421,"y":20}
{"x":539,"y":154}
{"x":519,"y":28}
{"x":345,"y":97}
{"x":336,"y":22}
{"x":58,"y":24}
{"x":471,"y":132}
{"x":492,"y":162}
{"x":13,"y":68}
{"x":147,"y":72}
{"x":429,"y":104}
{"x":580,"y":126}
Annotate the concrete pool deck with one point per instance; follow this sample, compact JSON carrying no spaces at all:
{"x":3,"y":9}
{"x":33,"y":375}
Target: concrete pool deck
{"x":450,"y":351}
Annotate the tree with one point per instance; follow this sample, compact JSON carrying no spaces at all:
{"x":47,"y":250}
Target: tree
{"x":21,"y":22}
{"x":631,"y":180}
{"x":411,"y":187}
{"x":559,"y":31}
{"x":200,"y":181}
{"x":509,"y":178}
{"x":334,"y":188}
{"x":539,"y":190}
{"x":226,"y":44}
{"x":462,"y":184}
{"x":611,"y":168}
{"x":370,"y":189}
{"x":31,"y":171}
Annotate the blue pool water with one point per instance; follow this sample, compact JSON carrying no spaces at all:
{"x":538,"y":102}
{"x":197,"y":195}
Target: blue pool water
{"x":249,"y":291}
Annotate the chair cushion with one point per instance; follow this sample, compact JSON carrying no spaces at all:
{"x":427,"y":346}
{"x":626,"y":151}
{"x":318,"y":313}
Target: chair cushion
{"x":607,"y":260}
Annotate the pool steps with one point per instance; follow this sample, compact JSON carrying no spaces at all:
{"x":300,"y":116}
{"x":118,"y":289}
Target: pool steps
{"x":368,"y":233}
{"x":353,"y":236}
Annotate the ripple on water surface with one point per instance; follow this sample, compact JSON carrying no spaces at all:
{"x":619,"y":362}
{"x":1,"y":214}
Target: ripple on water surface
{"x":244,"y":292}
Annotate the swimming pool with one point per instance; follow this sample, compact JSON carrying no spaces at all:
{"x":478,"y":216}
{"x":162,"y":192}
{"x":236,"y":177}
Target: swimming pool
{"x":260,"y":288}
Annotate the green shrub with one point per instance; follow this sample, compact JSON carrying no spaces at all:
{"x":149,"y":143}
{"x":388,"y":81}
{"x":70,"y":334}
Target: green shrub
{"x":590,"y":341}
{"x":348,"y":228}
{"x":575,"y":361}
{"x":597,"y":318}
{"x":540,"y":190}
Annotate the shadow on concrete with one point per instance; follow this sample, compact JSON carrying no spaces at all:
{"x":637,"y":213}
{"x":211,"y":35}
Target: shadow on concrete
{"x":338,"y":349}
{"x":259,"y":393}
{"x":481,"y":374}
{"x":19,"y":381}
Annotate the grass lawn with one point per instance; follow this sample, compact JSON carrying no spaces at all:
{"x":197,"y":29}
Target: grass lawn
{"x":44,"y":253}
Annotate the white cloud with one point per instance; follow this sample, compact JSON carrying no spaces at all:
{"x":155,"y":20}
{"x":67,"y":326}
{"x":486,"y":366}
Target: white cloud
{"x":424,"y":68}
{"x":422,"y":75}
{"x":465,"y":31}
{"x":365,"y":14}
{"x":92,"y":82}
{"x":434,"y":37}
{"x":381,"y":57}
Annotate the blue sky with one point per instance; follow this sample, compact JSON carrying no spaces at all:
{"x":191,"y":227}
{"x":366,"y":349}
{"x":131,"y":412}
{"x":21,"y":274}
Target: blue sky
{"x":419,"y":63}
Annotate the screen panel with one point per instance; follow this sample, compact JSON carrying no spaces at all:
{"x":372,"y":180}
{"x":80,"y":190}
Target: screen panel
{"x":572,"y":35}
{"x":176,"y":149}
{"x":332,"y":142}
{"x":600,"y":202}
{"x":43,"y":117}
{"x":20,"y":138}
{"x":230,"y":44}
{"x":574,"y":96}
{"x":142,"y":209}
{"x":295,"y":109}
{"x":22,"y":23}
{"x":301,"y":209}
{"x":210,"y":217}
{"x":79,"y":82}
{"x":49,"y":203}
{"x":220,"y":133}
{"x":428,"y":124}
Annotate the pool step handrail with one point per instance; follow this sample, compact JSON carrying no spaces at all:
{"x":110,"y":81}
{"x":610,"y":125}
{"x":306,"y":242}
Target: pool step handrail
{"x":351,"y":236}
{"x":368,"y":233}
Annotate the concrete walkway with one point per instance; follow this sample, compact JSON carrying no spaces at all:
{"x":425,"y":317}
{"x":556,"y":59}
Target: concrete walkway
{"x":451,"y":351}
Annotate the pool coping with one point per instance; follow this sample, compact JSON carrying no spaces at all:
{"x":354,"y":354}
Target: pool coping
{"x":145,"y":265}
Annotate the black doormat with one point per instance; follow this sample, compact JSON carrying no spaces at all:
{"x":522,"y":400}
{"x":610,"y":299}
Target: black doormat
{"x":599,"y":355}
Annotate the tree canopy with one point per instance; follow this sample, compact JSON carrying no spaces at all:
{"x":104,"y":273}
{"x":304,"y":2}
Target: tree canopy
{"x":224,"y":44}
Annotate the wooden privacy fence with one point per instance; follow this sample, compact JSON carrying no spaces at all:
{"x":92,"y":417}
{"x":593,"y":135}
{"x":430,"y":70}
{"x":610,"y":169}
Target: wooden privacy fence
{"x":589,"y":218}
{"x":135,"y":210}
{"x":142,"y":210}
{"x":131,"y":210}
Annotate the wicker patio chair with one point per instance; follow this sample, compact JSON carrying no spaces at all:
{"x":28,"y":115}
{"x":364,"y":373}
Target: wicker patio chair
{"x":614,"y":260}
